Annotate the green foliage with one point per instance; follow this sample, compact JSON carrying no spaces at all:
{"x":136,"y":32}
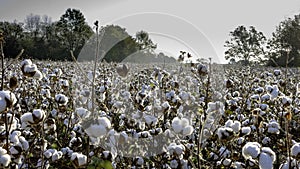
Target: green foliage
{"x":144,"y":41}
{"x":245,"y":45}
{"x":98,"y":163}
{"x":73,"y":31}
{"x":12,"y":33}
{"x":284,"y":45}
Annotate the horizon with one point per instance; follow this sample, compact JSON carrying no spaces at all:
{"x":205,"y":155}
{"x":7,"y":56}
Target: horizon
{"x":200,"y":28}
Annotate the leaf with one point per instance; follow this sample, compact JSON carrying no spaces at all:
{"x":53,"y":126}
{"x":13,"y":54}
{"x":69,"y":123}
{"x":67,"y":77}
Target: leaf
{"x":105,"y":164}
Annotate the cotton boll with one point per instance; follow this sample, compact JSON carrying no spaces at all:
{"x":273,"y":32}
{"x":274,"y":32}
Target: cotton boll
{"x":188,"y":130}
{"x":236,"y":126}
{"x":7,"y":100}
{"x":139,"y":161}
{"x":184,"y":122}
{"x":295,"y":150}
{"x":104,"y":121}
{"x":270,"y":152}
{"x":61,"y":99}
{"x":246,"y":130}
{"x":176,"y":125}
{"x":5,"y":160}
{"x":273,"y":127}
{"x":81,"y":159}
{"x":82,"y":112}
{"x":251,"y":150}
{"x":226,"y":162}
{"x":57,"y":155}
{"x":266,"y":140}
{"x":174,"y":164}
{"x":38,"y":114}
{"x":38,"y":75}
{"x":26,"y":62}
{"x":224,"y":133}
{"x":24,"y":143}
{"x":265,"y":161}
{"x":96,"y":130}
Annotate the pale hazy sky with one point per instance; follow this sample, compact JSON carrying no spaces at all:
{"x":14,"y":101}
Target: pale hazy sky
{"x":198,"y":26}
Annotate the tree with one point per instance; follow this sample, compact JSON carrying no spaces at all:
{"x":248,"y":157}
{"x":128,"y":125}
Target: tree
{"x":73,"y":31}
{"x":284,"y":45}
{"x":144,"y":41}
{"x":12,"y":33}
{"x":245,"y":45}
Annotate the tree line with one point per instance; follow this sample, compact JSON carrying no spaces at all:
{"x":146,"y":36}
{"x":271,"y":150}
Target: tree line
{"x":41,"y":38}
{"x":249,"y":46}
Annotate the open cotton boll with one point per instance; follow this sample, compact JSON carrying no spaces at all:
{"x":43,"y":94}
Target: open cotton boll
{"x":5,"y":160}
{"x":224,"y":133}
{"x":81,"y":159}
{"x":96,"y":130}
{"x":150,"y":120}
{"x":24,"y":143}
{"x":7,"y":100}
{"x":184,"y":122}
{"x":295,"y":150}
{"x":104,"y":121}
{"x":273,"y":127}
{"x":61,"y":99}
{"x":275,"y":92}
{"x":38,"y":75}
{"x":26,"y":62}
{"x":270,"y":152}
{"x":82,"y":112}
{"x":176,"y":125}
{"x":265,"y":161}
{"x":57,"y":155}
{"x":251,"y":150}
{"x":27,"y":117}
{"x":188,"y":130}
{"x":38,"y":114}
{"x":246,"y":130}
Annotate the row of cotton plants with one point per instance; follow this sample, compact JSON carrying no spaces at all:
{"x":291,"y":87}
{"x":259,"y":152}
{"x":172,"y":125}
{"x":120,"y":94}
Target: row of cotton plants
{"x":148,"y":116}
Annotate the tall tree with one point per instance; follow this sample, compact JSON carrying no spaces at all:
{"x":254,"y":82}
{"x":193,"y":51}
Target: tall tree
{"x":12,"y":33}
{"x":245,"y":45}
{"x":73,"y":31}
{"x":284,"y":46}
{"x":144,"y":41}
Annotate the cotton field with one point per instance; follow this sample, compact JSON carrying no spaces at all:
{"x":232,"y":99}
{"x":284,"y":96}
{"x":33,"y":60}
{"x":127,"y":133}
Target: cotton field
{"x":148,"y":116}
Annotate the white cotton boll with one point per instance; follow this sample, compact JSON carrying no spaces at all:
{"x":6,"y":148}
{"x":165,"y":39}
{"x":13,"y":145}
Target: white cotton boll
{"x":295,"y":150}
{"x":30,"y":68}
{"x":26,"y":62}
{"x":176,"y":125}
{"x":104,"y":121}
{"x":174,"y":164}
{"x":179,"y":149}
{"x":224,"y":152}
{"x":13,"y":150}
{"x":246,"y":130}
{"x":226,"y":162}
{"x":266,"y":140}
{"x":166,"y":105}
{"x":255,"y":97}
{"x":251,"y":150}
{"x":81,"y":159}
{"x":61,"y":99}
{"x":27,"y":117}
{"x":286,"y":100}
{"x":265,"y":97}
{"x":265,"y":161}
{"x":82,"y":112}
{"x":24,"y":143}
{"x":184,"y":122}
{"x":48,"y":153}
{"x":57,"y":155}
{"x":150,"y":120}
{"x":188,"y":130}
{"x":38,"y":75}
{"x":184,"y":96}
{"x":273,"y":127}
{"x":275,"y":92}
{"x":240,"y":140}
{"x":238,"y":165}
{"x":5,"y":160}
{"x":224,"y":132}
{"x":228,"y":123}
{"x":236,"y":126}
{"x":140,"y":161}
{"x":96,"y":130}
{"x":277,"y":72}
{"x":270,"y":152}
{"x":38,"y":113}
{"x":213,"y":156}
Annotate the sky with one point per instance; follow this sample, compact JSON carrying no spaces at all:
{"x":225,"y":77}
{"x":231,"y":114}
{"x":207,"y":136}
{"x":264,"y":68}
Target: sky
{"x":197,"y":26}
